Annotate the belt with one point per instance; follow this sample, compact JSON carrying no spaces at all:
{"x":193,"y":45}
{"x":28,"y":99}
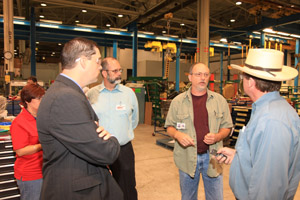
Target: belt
{"x":203,"y":152}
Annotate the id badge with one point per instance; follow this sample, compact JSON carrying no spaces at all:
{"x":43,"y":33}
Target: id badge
{"x":120,"y":107}
{"x":180,"y":126}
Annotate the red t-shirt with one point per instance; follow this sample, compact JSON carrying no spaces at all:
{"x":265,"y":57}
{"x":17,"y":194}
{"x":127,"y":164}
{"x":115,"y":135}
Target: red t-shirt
{"x":200,"y":121}
{"x":23,"y":133}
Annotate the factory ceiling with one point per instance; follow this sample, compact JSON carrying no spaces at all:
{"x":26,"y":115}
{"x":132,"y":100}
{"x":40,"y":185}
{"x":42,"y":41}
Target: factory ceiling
{"x":169,"y":17}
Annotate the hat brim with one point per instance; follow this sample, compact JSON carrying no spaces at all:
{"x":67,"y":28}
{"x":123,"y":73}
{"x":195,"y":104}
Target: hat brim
{"x":287,"y":73}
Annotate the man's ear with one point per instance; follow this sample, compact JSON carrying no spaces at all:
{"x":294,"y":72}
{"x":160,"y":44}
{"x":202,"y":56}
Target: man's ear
{"x":251,"y":82}
{"x":190,"y":77}
{"x":82,"y":62}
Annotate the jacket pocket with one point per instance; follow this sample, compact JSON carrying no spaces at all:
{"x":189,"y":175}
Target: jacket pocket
{"x":86,"y":182}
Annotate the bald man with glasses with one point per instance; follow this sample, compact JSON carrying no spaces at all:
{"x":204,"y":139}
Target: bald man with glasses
{"x":198,"y":120}
{"x":117,"y":109}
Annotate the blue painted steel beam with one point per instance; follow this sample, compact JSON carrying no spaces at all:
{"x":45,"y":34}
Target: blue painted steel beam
{"x":61,"y":32}
{"x":221,"y":72}
{"x":134,"y":51}
{"x":32,"y":43}
{"x":115,"y":48}
{"x":262,"y":39}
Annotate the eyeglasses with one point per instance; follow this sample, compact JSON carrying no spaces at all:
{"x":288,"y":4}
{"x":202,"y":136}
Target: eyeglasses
{"x":98,"y":60}
{"x":199,"y":74}
{"x":115,"y":70}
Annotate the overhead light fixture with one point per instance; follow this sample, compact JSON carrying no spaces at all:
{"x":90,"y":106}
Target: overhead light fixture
{"x":269,"y":30}
{"x":77,"y":21}
{"x":164,"y":31}
{"x":182,"y":24}
{"x":294,"y":35}
{"x":223,"y":40}
{"x":84,"y":10}
{"x":292,"y":6}
{"x":42,"y":16}
{"x":43,"y":4}
{"x":232,"y":20}
{"x":37,"y":42}
{"x":120,"y":15}
{"x":146,"y":32}
{"x":19,"y":17}
{"x":238,"y":3}
{"x":256,"y":32}
{"x":59,"y":44}
{"x":87,"y":25}
{"x":108,"y":25}
{"x":283,"y":33}
{"x":117,"y":29}
{"x":51,"y":21}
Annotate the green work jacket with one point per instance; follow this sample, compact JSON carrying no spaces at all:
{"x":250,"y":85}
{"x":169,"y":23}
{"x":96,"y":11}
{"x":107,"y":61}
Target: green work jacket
{"x":181,"y":111}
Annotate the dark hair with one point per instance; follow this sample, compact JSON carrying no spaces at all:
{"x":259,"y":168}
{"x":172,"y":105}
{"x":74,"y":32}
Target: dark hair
{"x":264,"y":85}
{"x":29,"y":92}
{"x":74,"y":49}
{"x":33,"y":78}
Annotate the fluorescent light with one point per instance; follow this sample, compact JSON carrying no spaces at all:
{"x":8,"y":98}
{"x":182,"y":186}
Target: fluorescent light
{"x":294,"y":35}
{"x":51,"y":21}
{"x":238,"y":3}
{"x":76,"y":21}
{"x":146,"y":32}
{"x":173,"y":36}
{"x":164,"y":31}
{"x":256,"y":32}
{"x":37,"y":42}
{"x":48,"y":25}
{"x":269,"y":30}
{"x":120,"y":15}
{"x":232,"y":20}
{"x":83,"y":29}
{"x":283,"y":33}
{"x":84,"y":10}
{"x":117,"y":29}
{"x":19,"y":17}
{"x":59,"y":44}
{"x":42,"y":16}
{"x":108,"y":25}
{"x":87,"y":25}
{"x":43,"y":4}
{"x":182,"y":24}
{"x":223,"y":40}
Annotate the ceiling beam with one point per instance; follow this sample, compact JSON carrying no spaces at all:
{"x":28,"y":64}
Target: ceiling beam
{"x":90,"y":7}
{"x":149,"y":12}
{"x":176,"y":8}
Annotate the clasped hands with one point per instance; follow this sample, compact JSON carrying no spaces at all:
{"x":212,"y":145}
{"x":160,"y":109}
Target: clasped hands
{"x":185,"y":140}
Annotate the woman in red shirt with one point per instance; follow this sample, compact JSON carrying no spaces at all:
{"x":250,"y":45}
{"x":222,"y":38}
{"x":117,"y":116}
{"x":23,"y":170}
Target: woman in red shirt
{"x":29,"y":154}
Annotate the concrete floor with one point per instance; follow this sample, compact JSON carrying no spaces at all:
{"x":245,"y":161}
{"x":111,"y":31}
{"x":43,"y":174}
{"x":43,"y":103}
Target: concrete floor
{"x":156,"y":174}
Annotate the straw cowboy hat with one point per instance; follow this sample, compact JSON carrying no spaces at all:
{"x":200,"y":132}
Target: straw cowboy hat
{"x":267,"y":64}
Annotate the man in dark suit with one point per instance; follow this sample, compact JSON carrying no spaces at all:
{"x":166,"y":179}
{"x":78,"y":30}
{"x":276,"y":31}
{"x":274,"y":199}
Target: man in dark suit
{"x":76,"y":151}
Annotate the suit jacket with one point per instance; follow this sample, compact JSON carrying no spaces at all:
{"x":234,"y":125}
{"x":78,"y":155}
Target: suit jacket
{"x":75,"y":158}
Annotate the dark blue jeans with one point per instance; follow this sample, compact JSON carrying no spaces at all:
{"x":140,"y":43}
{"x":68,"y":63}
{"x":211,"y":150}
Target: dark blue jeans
{"x":189,"y":186}
{"x":30,"y":190}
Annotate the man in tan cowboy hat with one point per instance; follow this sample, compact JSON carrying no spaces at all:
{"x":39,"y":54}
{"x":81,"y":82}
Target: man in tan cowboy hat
{"x":266,"y":161}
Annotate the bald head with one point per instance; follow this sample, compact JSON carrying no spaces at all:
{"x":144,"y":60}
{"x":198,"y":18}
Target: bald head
{"x":201,"y":65}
